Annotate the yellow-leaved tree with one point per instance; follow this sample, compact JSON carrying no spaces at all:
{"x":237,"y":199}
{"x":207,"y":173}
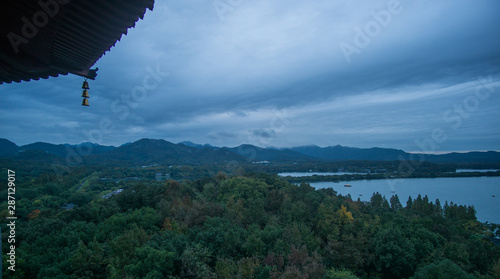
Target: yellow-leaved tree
{"x":343,"y":217}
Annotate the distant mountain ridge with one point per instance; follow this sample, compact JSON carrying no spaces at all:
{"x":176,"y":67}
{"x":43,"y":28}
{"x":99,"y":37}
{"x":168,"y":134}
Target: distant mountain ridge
{"x":342,"y":153}
{"x":8,"y":148}
{"x":192,"y":144}
{"x":469,"y":157}
{"x":154,"y":151}
{"x":255,"y":153}
{"x":159,"y":151}
{"x":60,"y":150}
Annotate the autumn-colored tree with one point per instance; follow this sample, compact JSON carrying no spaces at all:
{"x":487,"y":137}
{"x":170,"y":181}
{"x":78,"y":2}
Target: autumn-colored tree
{"x":34,"y":214}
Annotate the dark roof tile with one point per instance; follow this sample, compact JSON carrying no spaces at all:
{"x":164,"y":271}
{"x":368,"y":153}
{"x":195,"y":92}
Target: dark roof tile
{"x":69,"y":42}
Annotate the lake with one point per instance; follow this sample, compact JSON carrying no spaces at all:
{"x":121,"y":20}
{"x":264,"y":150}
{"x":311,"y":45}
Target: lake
{"x":476,"y":191}
{"x":474,"y":170}
{"x":301,"y":174}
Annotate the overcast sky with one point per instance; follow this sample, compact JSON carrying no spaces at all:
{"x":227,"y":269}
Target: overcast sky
{"x":412,"y":75}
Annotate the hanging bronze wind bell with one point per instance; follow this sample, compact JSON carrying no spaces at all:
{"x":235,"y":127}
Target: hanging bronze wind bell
{"x":85,"y":93}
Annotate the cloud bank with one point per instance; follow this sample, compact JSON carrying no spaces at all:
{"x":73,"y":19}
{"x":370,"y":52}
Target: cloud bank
{"x":283,"y":73}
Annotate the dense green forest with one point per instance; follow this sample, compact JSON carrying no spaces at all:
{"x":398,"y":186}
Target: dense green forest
{"x":243,"y":225}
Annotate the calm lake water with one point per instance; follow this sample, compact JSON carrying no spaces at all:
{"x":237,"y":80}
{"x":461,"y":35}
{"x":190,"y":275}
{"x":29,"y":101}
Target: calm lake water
{"x":474,"y":170}
{"x":300,"y":174}
{"x":476,"y":191}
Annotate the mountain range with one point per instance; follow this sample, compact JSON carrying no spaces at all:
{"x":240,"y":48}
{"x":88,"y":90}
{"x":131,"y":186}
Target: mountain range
{"x":61,"y":150}
{"x":158,"y":151}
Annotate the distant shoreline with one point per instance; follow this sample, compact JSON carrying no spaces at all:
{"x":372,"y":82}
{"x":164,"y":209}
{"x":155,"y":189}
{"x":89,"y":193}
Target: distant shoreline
{"x":354,"y":177}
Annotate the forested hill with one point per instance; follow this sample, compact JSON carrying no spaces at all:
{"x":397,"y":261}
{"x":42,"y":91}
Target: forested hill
{"x":255,"y":153}
{"x":247,"y":226}
{"x":154,"y":151}
{"x":343,"y":153}
{"x":8,"y":148}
